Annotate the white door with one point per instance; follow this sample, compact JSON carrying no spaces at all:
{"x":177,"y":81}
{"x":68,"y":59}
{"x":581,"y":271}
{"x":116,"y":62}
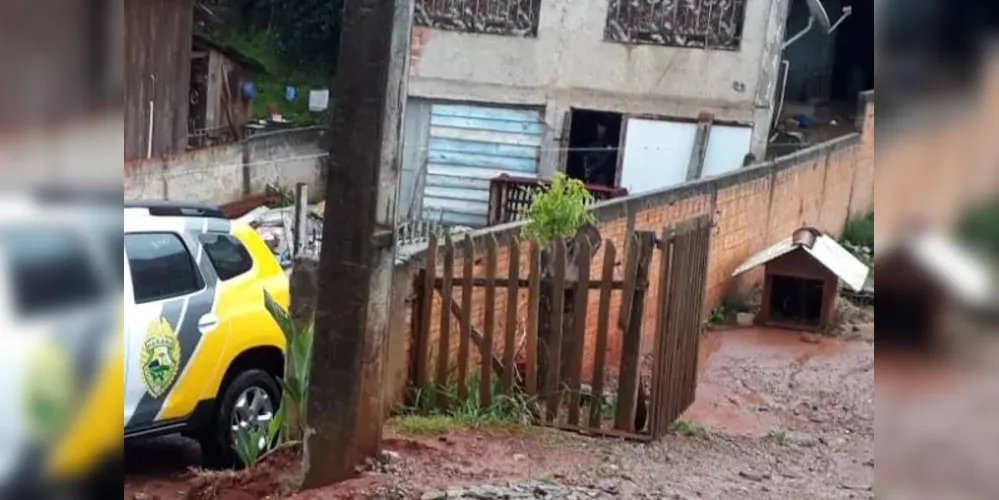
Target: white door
{"x":728,"y":146}
{"x":656,"y":154}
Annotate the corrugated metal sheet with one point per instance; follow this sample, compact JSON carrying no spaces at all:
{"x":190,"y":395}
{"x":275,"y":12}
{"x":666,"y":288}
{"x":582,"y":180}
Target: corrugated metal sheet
{"x":469,"y":146}
{"x":158,"y":37}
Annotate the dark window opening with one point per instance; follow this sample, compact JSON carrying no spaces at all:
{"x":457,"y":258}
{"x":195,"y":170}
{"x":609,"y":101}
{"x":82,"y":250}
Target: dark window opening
{"x":904,"y":320}
{"x":161,"y":267}
{"x":228,"y":256}
{"x":49,"y":270}
{"x":795,"y":301}
{"x":594,"y":142}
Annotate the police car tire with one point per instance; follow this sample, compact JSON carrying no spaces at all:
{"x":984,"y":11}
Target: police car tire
{"x":217,"y":443}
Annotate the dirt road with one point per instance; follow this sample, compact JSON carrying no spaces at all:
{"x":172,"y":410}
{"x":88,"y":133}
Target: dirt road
{"x":785,"y":419}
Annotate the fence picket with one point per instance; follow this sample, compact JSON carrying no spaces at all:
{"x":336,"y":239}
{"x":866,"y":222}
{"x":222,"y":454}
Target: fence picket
{"x":512,"y":303}
{"x":489,"y":320}
{"x":658,"y":426}
{"x":631,"y":349}
{"x":552,"y":387}
{"x":423,"y":344}
{"x":533,"y":297}
{"x":444,"y":342}
{"x":582,"y":294}
{"x":603,"y":320}
{"x":467,"y":261}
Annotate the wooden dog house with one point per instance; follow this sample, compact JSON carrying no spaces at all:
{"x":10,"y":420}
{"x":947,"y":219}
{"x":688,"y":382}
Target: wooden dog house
{"x":802,"y":278}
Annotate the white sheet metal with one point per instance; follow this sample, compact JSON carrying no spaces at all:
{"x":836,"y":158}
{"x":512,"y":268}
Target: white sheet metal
{"x":826,"y":251}
{"x":841,"y":262}
{"x":727,"y":148}
{"x":765,"y":256}
{"x":962,"y":274}
{"x":656,"y":154}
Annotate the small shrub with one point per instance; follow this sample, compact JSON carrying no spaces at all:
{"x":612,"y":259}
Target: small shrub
{"x":721,"y":316}
{"x":778,"y":436}
{"x":859,"y":231}
{"x":558,"y":211}
{"x":690,"y":429}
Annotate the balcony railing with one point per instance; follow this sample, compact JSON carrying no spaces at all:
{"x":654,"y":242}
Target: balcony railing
{"x":495,"y":17}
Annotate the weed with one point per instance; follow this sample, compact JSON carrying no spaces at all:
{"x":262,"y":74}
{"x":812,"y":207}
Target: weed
{"x":690,"y":429}
{"x":423,"y":417}
{"x":859,"y":231}
{"x":778,"y":436}
{"x":721,"y":316}
{"x":546,"y":479}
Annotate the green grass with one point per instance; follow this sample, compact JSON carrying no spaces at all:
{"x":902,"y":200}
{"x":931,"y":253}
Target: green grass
{"x":507,"y":412}
{"x":859,"y":231}
{"x":690,"y":429}
{"x":260,"y":45}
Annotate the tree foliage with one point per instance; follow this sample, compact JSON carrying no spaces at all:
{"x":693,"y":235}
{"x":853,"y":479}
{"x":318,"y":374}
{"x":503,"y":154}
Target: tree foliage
{"x":306,"y":32}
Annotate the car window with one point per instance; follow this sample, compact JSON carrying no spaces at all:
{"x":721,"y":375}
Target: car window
{"x":161,"y":267}
{"x":49,"y":269}
{"x":227,"y":254}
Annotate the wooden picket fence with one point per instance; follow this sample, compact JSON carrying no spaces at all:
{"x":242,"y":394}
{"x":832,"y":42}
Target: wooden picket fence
{"x":554,"y":335}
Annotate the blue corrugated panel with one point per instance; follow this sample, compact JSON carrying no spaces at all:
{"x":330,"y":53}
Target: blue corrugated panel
{"x":469,"y":146}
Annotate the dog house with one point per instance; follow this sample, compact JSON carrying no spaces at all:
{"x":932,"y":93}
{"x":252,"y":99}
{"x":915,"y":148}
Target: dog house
{"x":930,"y":287}
{"x":802,"y":276}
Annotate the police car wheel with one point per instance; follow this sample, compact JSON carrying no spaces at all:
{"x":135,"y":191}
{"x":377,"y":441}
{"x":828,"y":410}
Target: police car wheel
{"x":249,"y":402}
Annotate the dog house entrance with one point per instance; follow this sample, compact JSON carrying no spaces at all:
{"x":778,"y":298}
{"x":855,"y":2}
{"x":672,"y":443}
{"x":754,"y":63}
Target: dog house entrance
{"x":796,"y":301}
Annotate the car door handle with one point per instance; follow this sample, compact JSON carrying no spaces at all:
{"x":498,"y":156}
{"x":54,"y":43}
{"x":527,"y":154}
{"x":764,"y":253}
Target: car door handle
{"x":208,"y":323}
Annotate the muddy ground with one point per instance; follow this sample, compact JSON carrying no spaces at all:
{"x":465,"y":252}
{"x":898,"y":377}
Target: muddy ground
{"x":785,"y":418}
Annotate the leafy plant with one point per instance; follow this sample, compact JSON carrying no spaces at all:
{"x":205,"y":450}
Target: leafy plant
{"x":559,"y":210}
{"x":720,"y":316}
{"x":286,"y":197}
{"x":690,"y":429}
{"x":253,"y":444}
{"x":298,"y":359}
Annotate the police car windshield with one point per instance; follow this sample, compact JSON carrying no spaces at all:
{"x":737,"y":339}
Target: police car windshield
{"x":48,"y":269}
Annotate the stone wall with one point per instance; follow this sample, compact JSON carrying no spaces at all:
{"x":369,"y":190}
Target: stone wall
{"x":226,"y":173}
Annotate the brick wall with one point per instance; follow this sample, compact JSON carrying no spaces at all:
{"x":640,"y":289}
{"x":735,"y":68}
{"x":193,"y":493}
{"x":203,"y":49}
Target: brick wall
{"x":752,"y":209}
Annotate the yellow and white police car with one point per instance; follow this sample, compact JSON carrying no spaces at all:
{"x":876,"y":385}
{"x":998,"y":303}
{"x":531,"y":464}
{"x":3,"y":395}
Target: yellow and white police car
{"x":202,"y":355}
{"x":61,"y":331}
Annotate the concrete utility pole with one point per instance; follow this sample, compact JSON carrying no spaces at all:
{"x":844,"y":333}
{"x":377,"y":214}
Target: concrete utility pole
{"x":345,"y":407}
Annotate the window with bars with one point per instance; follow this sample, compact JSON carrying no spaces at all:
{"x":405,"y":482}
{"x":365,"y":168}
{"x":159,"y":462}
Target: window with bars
{"x":496,"y":17}
{"x":703,"y":24}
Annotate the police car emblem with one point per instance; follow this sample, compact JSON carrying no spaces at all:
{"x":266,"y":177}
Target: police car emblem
{"x":160,"y":358}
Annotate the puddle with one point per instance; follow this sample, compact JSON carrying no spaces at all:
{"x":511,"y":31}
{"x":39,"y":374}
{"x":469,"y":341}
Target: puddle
{"x":736,"y":365}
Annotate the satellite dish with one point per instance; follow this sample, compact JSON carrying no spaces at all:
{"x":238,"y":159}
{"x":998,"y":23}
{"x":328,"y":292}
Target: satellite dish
{"x":821,"y":17}
{"x":819,"y":14}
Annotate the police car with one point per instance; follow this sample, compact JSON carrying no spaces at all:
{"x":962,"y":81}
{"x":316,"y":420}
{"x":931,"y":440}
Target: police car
{"x":202,"y":353}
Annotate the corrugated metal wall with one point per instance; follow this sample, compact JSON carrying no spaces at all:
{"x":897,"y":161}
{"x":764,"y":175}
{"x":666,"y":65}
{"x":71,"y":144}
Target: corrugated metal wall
{"x":469,"y":146}
{"x":157,"y":68}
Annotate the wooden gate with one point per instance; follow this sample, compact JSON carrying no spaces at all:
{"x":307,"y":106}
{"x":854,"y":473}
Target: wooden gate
{"x":547,"y":345}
